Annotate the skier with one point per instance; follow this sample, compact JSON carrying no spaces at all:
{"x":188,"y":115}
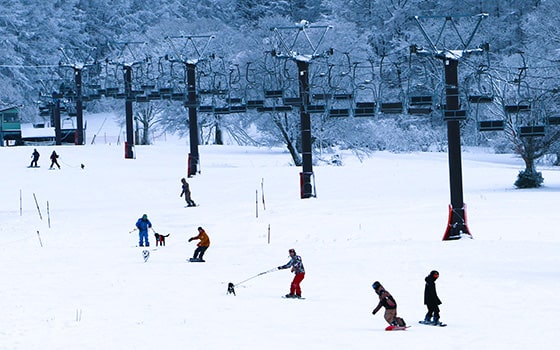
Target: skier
{"x":386,"y":300}
{"x":54,"y":160}
{"x":35,"y":155}
{"x":201,"y":246}
{"x":187,"y":193}
{"x":143,"y":224}
{"x":297,"y":267}
{"x":431,"y":299}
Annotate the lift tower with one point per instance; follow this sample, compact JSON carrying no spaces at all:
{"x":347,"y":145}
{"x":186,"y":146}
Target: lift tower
{"x":190,"y":55}
{"x":453,"y":114}
{"x":285,"y":51}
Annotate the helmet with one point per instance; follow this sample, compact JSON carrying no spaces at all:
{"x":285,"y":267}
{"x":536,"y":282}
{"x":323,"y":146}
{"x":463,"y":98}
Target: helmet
{"x":144,"y":217}
{"x":375,"y":285}
{"x":292,"y":250}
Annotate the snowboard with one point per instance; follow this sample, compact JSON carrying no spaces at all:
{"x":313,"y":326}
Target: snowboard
{"x":195,"y":260}
{"x":285,"y":297}
{"x":396,"y":328}
{"x":433,"y":324}
{"x":146,"y":255}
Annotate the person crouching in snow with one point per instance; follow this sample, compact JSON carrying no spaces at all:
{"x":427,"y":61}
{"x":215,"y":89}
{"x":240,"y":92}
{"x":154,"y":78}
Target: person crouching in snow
{"x":431,"y":299}
{"x":297,"y":267}
{"x":201,"y":246}
{"x":387,"y":301}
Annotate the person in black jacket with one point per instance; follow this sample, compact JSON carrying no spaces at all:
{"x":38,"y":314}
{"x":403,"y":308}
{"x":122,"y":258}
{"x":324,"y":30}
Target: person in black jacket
{"x":431,"y":299}
{"x":35,"y":155}
{"x":54,"y":160}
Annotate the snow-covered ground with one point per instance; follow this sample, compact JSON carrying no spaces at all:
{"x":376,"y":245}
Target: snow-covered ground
{"x":87,"y":286}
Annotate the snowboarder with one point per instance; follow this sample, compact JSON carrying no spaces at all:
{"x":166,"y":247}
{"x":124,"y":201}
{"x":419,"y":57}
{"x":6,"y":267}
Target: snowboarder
{"x":297,"y":267}
{"x":387,"y":301}
{"x":35,"y":155}
{"x":54,"y":160}
{"x":143,"y":224}
{"x":431,"y":299}
{"x":201,"y":246}
{"x":187,"y":193}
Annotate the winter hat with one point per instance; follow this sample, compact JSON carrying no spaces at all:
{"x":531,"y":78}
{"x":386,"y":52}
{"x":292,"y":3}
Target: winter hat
{"x":434,"y":274}
{"x":144,"y":217}
{"x":375,"y":285}
{"x":292,"y":250}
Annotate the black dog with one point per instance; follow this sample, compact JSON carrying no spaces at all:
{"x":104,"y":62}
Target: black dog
{"x":160,"y":239}
{"x":231,"y":288}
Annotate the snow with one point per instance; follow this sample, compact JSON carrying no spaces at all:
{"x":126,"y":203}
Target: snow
{"x":88,"y":286}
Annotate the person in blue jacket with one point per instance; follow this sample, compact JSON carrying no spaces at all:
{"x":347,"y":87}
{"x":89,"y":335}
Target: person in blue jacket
{"x":143,"y":224}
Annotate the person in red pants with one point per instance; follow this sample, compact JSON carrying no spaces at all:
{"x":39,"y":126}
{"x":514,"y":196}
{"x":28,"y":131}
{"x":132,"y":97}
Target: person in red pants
{"x":297,"y":267}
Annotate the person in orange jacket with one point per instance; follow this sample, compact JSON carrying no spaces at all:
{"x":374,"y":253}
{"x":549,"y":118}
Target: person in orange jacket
{"x":201,"y":246}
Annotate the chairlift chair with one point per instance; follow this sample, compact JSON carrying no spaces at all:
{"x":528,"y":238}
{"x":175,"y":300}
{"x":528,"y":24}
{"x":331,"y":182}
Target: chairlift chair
{"x":491,"y":125}
{"x":391,"y":107}
{"x":364,"y":109}
{"x":532,"y":131}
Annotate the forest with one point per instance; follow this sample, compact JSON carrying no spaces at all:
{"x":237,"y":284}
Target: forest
{"x":376,"y":69}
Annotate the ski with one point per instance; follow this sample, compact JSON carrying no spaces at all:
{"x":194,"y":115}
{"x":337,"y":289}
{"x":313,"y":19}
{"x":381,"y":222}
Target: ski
{"x":195,"y":260}
{"x":396,"y":328}
{"x":439,"y":324}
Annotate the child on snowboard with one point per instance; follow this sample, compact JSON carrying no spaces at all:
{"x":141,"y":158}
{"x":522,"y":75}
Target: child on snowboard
{"x":431,"y":299}
{"x":387,"y":301}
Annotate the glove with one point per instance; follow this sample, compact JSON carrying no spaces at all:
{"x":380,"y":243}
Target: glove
{"x":373,"y":312}
{"x":279,"y":267}
{"x":190,"y":239}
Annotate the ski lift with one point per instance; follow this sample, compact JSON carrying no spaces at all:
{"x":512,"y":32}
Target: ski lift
{"x":392,"y":107}
{"x":364,"y":109}
{"x":481,"y":99}
{"x":339,"y":112}
{"x":491,"y":125}
{"x":274,"y":109}
{"x":316,"y":108}
{"x":205,"y":109}
{"x":517,"y":108}
{"x":553,"y":120}
{"x":454,"y":115}
{"x":253,"y":104}
{"x":420,"y":104}
{"x":292,"y":101}
{"x":273,"y":94}
{"x":532,"y":131}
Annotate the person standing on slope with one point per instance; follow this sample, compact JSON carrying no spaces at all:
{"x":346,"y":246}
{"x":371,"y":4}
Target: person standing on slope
{"x":187,"y":193}
{"x":35,"y":155}
{"x":297,"y":267}
{"x":54,"y":160}
{"x":431,"y":299}
{"x":143,"y":224}
{"x":201,"y":246}
{"x":387,"y":301}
